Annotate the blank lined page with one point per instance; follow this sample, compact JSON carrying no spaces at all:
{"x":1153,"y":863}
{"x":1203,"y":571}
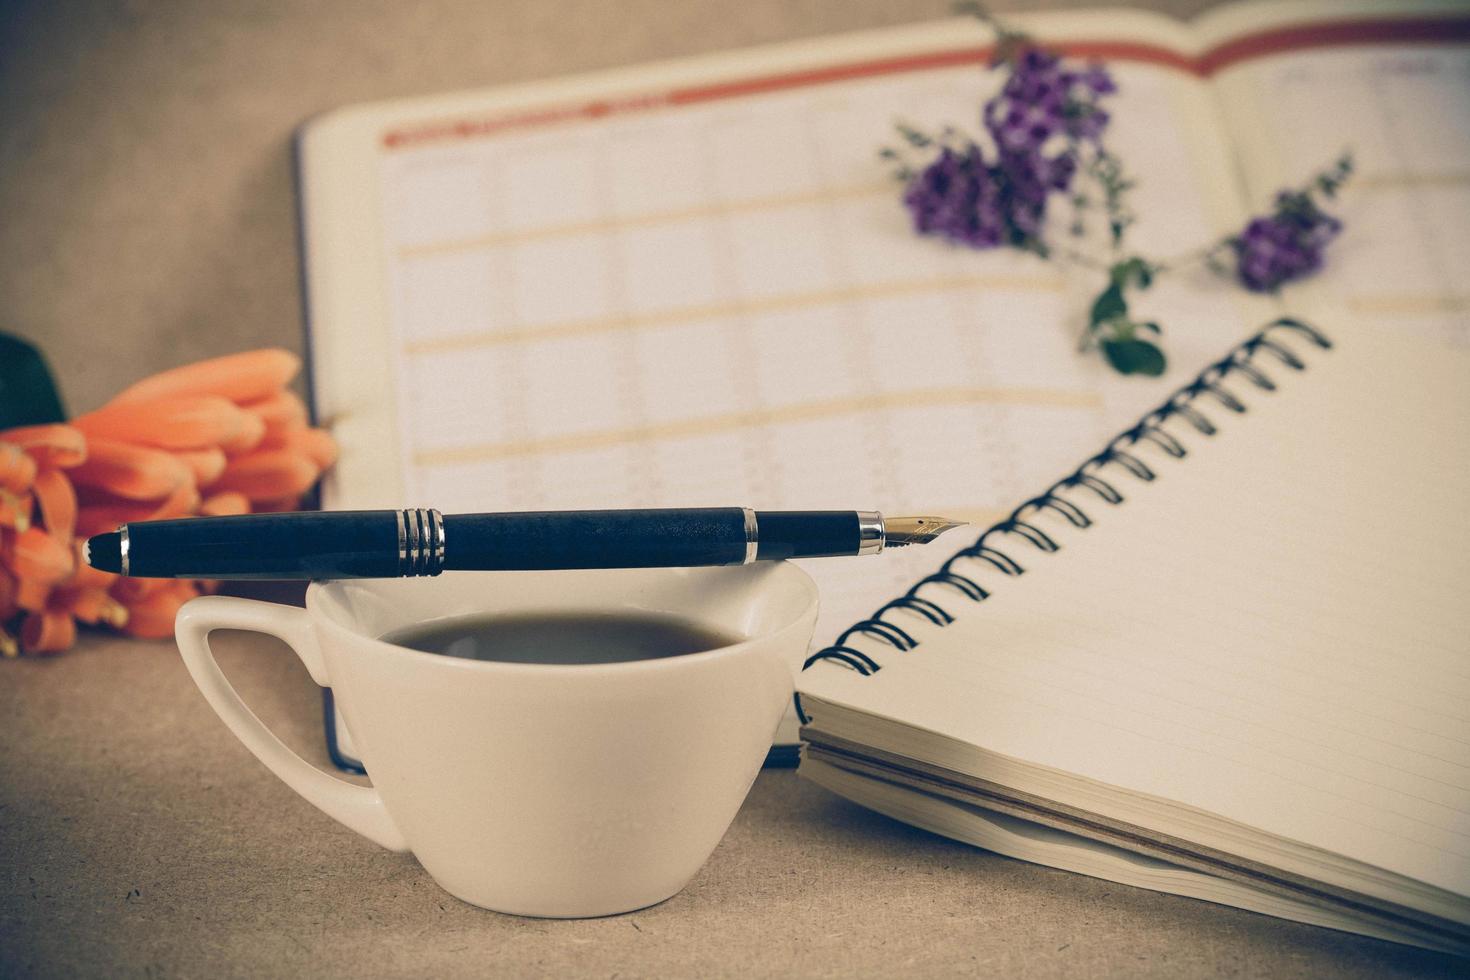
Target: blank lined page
{"x":1274,"y":630}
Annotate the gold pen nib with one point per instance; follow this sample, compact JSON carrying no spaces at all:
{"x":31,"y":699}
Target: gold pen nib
{"x":900,"y":531}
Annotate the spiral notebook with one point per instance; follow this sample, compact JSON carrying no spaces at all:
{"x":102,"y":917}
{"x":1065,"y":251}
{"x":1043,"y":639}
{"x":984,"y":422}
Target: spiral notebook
{"x":1228,"y":656}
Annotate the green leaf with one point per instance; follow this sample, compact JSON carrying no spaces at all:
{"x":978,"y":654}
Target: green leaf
{"x":1109,"y":305}
{"x":28,"y":395}
{"x":1134,"y":357}
{"x":912,"y":136}
{"x":1133,"y":271}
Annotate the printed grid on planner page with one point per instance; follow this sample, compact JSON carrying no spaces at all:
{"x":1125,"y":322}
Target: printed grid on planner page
{"x":723,"y":304}
{"x":1404,"y":111}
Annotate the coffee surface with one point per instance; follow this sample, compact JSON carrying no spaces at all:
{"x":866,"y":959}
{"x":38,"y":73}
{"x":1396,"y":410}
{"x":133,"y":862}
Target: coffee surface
{"x":563,"y":638}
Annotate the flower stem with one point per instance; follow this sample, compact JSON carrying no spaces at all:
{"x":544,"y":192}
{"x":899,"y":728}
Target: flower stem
{"x":1185,"y":259}
{"x":1078,"y":258}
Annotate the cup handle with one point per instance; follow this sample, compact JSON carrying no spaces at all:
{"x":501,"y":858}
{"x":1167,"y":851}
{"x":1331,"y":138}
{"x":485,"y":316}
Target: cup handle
{"x":359,"y":807}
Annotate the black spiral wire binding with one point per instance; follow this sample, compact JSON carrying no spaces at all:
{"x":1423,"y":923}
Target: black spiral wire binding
{"x":1241,"y":361}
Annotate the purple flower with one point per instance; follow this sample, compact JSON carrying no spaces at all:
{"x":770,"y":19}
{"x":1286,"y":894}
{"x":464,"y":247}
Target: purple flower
{"x":1037,"y":77}
{"x":1042,"y":99}
{"x":1285,"y":245}
{"x":982,"y":198}
{"x":1020,"y":127}
{"x":966,"y":199}
{"x":956,"y":197}
{"x":1052,"y":173}
{"x":1097,"y":80}
{"x":1088,"y":123}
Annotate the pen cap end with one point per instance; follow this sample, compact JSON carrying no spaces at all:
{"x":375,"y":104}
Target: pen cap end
{"x":104,"y":551}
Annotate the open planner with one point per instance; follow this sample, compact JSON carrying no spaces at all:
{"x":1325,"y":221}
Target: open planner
{"x":694,"y":283}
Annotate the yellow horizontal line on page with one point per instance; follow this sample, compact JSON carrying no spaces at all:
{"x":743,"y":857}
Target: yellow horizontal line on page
{"x":757,"y":418}
{"x":737,"y":307}
{"x":1390,"y":303}
{"x":653,"y":219}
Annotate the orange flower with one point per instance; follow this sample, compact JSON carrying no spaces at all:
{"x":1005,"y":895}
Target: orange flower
{"x":15,"y":510}
{"x":246,"y":377}
{"x":32,"y":594}
{"x":90,"y":605}
{"x":187,"y":422}
{"x":152,"y":617}
{"x":280,"y":412}
{"x":17,"y":469}
{"x":206,"y":464}
{"x":268,"y":474}
{"x":34,"y":555}
{"x":224,"y":504}
{"x":49,"y":445}
{"x":219,"y":437}
{"x":104,"y":512}
{"x":131,"y":471}
{"x":57,"y":502}
{"x":50,"y":631}
{"x":247,"y":438}
{"x":314,"y":444}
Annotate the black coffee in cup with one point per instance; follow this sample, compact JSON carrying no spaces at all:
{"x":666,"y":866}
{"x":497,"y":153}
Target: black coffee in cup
{"x":564,"y":638}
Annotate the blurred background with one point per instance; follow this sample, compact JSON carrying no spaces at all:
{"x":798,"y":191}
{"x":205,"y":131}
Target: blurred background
{"x":148,"y":189}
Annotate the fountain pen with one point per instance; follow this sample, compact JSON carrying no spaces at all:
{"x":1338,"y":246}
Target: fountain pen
{"x":400,"y":543}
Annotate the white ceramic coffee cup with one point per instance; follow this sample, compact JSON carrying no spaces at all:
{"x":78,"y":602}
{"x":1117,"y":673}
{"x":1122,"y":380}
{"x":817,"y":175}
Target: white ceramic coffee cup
{"x":546,"y":790}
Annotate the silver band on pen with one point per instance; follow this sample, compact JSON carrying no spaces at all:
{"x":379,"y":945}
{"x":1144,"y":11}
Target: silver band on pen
{"x":871,"y":534}
{"x":122,"y":544}
{"x":437,"y":555}
{"x":420,"y":542}
{"x":752,"y":536}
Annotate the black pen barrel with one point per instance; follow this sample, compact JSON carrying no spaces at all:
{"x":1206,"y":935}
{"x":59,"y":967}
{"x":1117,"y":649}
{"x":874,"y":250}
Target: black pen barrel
{"x":596,"y":538}
{"x":391,"y":543}
{"x":335,"y":544}
{"x":807,"y":533}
